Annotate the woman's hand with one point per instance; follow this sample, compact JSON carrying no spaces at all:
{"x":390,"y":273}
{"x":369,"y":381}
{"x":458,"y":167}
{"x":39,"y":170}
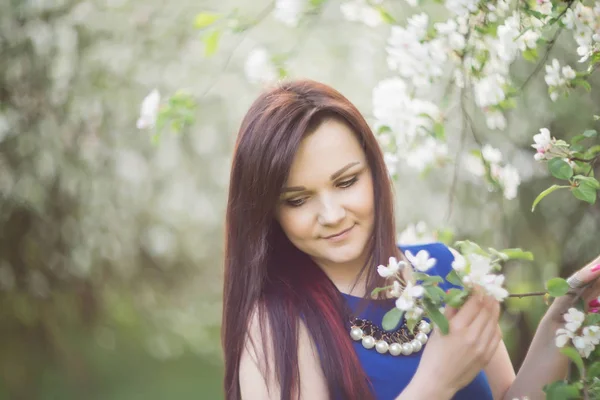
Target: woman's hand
{"x":456,"y":358}
{"x":588,"y":275}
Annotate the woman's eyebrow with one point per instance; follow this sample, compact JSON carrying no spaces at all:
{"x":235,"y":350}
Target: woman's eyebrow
{"x":332,"y":177}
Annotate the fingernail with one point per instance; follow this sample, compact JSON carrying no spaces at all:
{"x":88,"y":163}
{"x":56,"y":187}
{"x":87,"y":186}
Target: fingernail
{"x":596,"y":268}
{"x":594,"y":310}
{"x":594,"y":303}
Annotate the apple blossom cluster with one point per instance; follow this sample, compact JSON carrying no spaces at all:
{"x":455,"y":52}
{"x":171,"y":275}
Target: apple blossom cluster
{"x":557,"y":79}
{"x":584,"y":337}
{"x":289,"y":11}
{"x":405,"y":124}
{"x":259,"y":67}
{"x":477,"y":269}
{"x":362,"y":11}
{"x":584,"y":21}
{"x":506,"y":175}
{"x":548,"y":147}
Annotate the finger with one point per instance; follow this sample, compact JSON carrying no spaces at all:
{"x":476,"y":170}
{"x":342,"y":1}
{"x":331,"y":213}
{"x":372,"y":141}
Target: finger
{"x":590,"y":272}
{"x":493,"y":343}
{"x":468,"y":311}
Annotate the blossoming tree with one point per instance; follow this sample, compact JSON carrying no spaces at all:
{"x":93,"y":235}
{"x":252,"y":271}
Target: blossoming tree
{"x":468,"y":55}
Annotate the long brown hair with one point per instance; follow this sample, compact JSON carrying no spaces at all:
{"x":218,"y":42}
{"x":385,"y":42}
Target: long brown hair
{"x":262,"y":267}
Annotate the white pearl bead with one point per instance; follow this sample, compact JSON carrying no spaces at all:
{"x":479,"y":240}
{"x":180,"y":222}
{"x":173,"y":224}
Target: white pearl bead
{"x":395,"y":349}
{"x":356,"y":333}
{"x":416,"y":345}
{"x":424,"y":327}
{"x":407,"y":349}
{"x":382,"y":347}
{"x":421,"y":337}
{"x":368,"y":342}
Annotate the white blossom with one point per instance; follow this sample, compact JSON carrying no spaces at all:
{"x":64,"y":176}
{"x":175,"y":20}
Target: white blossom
{"x":394,"y":266}
{"x":149,"y":110}
{"x":407,"y":300}
{"x":259,"y":68}
{"x":491,"y":154}
{"x":421,"y":261}
{"x":495,"y":120}
{"x":583,"y":345}
{"x":510,"y":180}
{"x":289,"y":11}
{"x":417,"y":233}
{"x":489,"y":90}
{"x":459,"y":263}
{"x":574,"y":319}
{"x":361,"y":11}
{"x":493,"y":286}
{"x":395,"y":291}
{"x":563,"y":336}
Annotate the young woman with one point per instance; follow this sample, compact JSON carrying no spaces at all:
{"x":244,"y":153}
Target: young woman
{"x":309,"y":218}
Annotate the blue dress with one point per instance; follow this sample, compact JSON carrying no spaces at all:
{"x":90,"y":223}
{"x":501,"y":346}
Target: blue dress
{"x":389,"y":375}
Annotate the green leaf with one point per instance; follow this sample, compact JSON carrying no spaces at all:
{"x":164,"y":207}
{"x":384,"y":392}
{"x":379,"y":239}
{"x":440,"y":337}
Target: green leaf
{"x":530,"y":55}
{"x":518,"y":254}
{"x":211,"y":42}
{"x":437,"y":317}
{"x":557,"y":287}
{"x":586,"y":192}
{"x":454,"y":279}
{"x":593,"y":370}
{"x":561,"y":391}
{"x":546,"y":193}
{"x":592,"y":319}
{"x":560,"y":169}
{"x":456,"y":297}
{"x":391,"y":319}
{"x":438,"y":131}
{"x":575,"y":357}
{"x":435,"y":293}
{"x":590,"y":133}
{"x":386,"y":16}
{"x":583,"y":83}
{"x":376,"y":291}
{"x":589,"y":179}
{"x":205,"y":19}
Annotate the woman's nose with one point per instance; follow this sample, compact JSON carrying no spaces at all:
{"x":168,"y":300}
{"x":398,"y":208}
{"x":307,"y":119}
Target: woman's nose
{"x":331,"y":213}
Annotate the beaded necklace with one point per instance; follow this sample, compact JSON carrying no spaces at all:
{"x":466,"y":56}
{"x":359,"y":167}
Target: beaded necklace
{"x":400,"y":341}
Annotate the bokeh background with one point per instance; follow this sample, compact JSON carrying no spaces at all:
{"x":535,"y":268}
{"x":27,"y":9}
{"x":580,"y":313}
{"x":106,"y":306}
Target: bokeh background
{"x":111,"y":243}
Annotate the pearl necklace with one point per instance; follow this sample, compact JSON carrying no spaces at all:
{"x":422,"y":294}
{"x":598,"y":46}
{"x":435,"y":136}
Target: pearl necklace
{"x":400,"y":341}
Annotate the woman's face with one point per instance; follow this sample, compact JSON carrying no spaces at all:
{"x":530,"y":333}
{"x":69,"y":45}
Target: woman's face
{"x":326,"y":206}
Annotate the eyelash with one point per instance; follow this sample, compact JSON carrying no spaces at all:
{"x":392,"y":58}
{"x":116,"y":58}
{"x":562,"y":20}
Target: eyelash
{"x":342,"y":185}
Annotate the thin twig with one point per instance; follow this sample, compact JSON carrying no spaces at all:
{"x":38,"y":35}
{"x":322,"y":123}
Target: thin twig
{"x":263,"y":14}
{"x":521,"y":295}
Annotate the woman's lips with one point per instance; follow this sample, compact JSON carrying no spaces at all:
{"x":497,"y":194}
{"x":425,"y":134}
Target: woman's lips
{"x":339,"y":236}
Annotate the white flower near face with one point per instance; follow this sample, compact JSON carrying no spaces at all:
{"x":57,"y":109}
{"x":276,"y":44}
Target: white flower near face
{"x":407,"y":300}
{"x":459,"y":263}
{"x":583,"y":345}
{"x":416,"y":234}
{"x":563,"y":336}
{"x":289,"y":11}
{"x":493,"y":286}
{"x":394,"y":266}
{"x":574,"y":319}
{"x":510,"y":180}
{"x":395,"y":291}
{"x":480,"y":267}
{"x":414,"y":314}
{"x":422,"y":262}
{"x":259,"y":68}
{"x":149,"y":110}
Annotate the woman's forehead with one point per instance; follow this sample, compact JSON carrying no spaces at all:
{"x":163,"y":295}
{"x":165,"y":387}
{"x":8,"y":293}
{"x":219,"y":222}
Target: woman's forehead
{"x":323,"y":152}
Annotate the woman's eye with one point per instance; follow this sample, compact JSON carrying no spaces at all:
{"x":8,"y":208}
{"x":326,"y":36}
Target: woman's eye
{"x":295,"y":202}
{"x":348,"y":182}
